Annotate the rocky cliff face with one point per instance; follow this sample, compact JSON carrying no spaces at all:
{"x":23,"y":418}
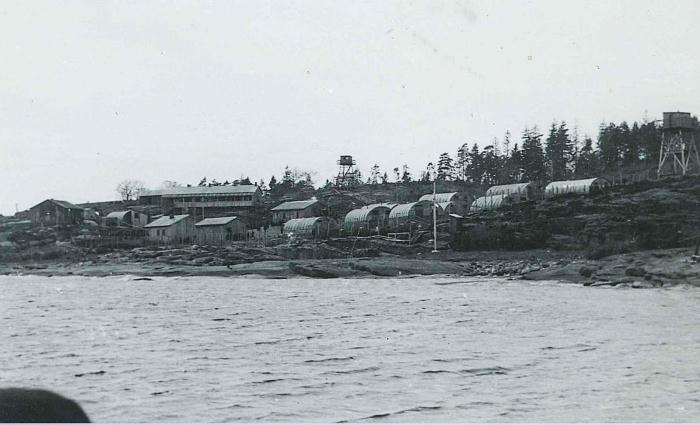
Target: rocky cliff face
{"x":648,"y":215}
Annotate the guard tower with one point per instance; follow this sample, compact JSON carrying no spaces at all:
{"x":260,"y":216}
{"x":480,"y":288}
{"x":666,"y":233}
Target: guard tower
{"x":348,"y":175}
{"x":679,"y":153}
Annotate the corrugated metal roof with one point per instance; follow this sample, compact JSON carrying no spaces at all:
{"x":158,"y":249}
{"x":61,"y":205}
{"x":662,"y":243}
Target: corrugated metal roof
{"x":295,"y":205}
{"x":216,"y":221}
{"x":506,"y":189}
{"x":166,"y":221}
{"x":202,"y":190}
{"x":439,"y":197}
{"x":404,"y":210}
{"x":303,"y":225}
{"x":361,"y":214}
{"x":490,"y":202}
{"x":572,"y":186}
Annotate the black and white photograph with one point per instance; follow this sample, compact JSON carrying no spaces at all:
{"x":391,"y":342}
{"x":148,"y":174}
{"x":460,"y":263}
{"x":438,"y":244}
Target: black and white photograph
{"x":336,"y":211}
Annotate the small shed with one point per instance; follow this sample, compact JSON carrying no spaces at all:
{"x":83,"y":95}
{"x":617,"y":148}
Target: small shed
{"x":310,"y":227}
{"x":490,"y":202}
{"x":127,"y":218}
{"x":584,"y":186}
{"x":370,"y":219}
{"x":518,"y":192}
{"x":171,"y":229}
{"x":53,"y":212}
{"x":452,"y":202}
{"x":412,"y":215}
{"x":219,"y":230}
{"x":296,"y":209}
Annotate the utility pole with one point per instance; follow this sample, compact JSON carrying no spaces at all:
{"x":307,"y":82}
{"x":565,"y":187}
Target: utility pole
{"x":434,"y":217}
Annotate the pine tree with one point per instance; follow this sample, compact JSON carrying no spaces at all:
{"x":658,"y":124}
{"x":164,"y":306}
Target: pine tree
{"x":462,"y":162}
{"x":489,"y":165}
{"x":474,"y":171}
{"x":445,"y":168}
{"x":273,"y":182}
{"x":203,"y":182}
{"x":585,"y":162}
{"x":515,"y":165}
{"x":533,"y":161}
{"x":558,"y":151}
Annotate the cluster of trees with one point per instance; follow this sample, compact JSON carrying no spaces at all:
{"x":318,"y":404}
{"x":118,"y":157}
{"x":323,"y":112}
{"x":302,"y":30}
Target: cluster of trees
{"x":560,"y":155}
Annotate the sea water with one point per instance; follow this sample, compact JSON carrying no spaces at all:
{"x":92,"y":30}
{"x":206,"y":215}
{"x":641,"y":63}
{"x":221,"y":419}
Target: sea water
{"x":203,"y":349}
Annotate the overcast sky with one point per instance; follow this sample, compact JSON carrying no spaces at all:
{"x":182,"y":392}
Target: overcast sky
{"x":94,"y":92}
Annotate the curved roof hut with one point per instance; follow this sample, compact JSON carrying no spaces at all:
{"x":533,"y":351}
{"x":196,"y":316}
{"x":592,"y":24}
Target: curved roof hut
{"x":517,"y":191}
{"x":455,"y":202}
{"x":419,"y":211}
{"x":367,"y":219}
{"x":490,"y":202}
{"x":310,"y":227}
{"x":440,"y":197}
{"x":574,"y":186}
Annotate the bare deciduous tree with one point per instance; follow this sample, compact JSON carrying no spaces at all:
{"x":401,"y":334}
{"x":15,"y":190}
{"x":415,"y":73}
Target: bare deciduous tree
{"x":130,"y":189}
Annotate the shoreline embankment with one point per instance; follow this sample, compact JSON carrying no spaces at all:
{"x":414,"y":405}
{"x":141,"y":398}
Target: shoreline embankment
{"x":644,"y":269}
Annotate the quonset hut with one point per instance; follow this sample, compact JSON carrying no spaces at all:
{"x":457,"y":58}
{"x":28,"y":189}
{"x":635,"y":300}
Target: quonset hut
{"x":585,"y":186}
{"x":518,"y":192}
{"x":449,"y":203}
{"x":491,"y":202}
{"x":310,"y":227}
{"x":370,"y":219}
{"x":410,"y":216}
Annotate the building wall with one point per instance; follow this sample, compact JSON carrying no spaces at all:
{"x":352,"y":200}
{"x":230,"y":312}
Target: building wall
{"x":50,"y":214}
{"x":280,"y":217}
{"x":180,"y":232}
{"x":219,"y":235}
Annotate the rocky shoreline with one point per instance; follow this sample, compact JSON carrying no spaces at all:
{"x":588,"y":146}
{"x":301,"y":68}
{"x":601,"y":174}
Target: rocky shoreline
{"x":644,"y":269}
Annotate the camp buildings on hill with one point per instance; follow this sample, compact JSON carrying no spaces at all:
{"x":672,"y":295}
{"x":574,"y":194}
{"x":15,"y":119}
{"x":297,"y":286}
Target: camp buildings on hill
{"x":223,"y":214}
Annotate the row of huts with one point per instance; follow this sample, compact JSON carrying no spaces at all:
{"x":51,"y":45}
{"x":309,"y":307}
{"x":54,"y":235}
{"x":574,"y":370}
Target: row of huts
{"x":220,"y":214}
{"x":501,"y":195}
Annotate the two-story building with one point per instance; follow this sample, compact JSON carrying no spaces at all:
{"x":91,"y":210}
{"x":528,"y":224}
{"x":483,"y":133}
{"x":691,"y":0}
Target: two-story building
{"x":202,"y":202}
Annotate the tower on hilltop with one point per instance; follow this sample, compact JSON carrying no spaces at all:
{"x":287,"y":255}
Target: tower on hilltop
{"x":679,"y":152}
{"x":348,"y":174}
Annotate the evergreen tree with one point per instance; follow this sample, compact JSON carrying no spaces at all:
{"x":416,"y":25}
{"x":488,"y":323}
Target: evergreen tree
{"x":489,"y":165}
{"x":445,"y":168}
{"x":429,"y":173}
{"x":474,"y":171}
{"x":397,"y":174}
{"x":385,"y":178}
{"x":203,"y":182}
{"x":558,"y":151}
{"x":533,"y":160}
{"x":609,"y":145}
{"x":462,"y":162}
{"x":273,"y":182}
{"x":514,"y":165}
{"x":374,"y":174}
{"x":586,"y":161}
{"x":405,"y":174}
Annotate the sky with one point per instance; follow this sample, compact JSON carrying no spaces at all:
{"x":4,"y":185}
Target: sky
{"x":96,"y":92}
